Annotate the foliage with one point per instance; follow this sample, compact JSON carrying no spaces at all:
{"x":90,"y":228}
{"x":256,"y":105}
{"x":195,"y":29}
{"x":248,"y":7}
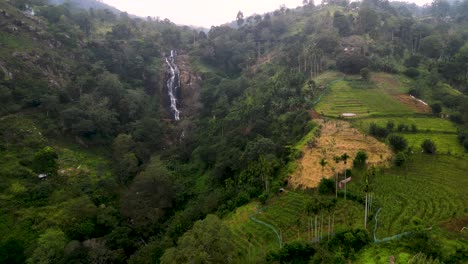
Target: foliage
{"x":365,"y":74}
{"x":360,"y":159}
{"x":50,"y":247}
{"x":429,"y":146}
{"x":351,"y":63}
{"x":208,"y":241}
{"x":326,"y":186}
{"x":45,"y":161}
{"x":294,"y":252}
{"x":400,"y":159}
{"x":398,"y":143}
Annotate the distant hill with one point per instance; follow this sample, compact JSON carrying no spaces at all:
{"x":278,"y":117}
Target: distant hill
{"x":87,"y":4}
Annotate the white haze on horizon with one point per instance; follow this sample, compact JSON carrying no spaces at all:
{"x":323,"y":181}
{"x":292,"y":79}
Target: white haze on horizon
{"x":205,"y":12}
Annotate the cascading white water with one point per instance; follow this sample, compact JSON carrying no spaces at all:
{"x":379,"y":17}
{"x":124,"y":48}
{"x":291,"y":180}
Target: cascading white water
{"x":173,"y":83}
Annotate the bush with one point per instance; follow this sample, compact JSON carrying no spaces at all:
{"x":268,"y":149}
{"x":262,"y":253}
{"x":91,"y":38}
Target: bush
{"x":326,"y":186}
{"x":436,"y":108}
{"x":377,"y":131}
{"x":400,"y":159}
{"x":294,"y":252}
{"x":412,"y":73}
{"x":360,"y":159}
{"x":365,"y":74}
{"x":397,"y":143}
{"x":429,"y":146}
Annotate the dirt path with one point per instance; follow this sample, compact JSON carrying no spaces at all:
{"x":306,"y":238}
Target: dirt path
{"x":337,"y":137}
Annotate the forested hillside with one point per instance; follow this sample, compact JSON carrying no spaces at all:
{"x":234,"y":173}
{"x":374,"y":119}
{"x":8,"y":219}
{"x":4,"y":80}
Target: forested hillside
{"x":96,"y":168}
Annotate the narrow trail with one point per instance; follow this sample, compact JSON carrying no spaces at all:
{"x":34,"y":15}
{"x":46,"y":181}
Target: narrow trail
{"x":278,"y":236}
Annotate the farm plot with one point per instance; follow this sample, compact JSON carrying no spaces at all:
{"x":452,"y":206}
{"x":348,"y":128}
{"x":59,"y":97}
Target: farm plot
{"x":445,"y":143}
{"x":252,"y":240}
{"x":429,"y":188}
{"x":363,"y":102}
{"x":423,"y":123}
{"x":287,"y":213}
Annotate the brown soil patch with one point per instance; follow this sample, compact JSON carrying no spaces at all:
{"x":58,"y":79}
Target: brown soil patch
{"x":337,"y":137}
{"x":457,"y":225}
{"x":313,"y":114}
{"x":413,"y":103}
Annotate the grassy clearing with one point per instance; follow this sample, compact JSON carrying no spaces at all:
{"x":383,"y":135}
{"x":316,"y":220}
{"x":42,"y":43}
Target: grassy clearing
{"x":431,"y":188}
{"x":74,"y":159}
{"x":342,"y":98}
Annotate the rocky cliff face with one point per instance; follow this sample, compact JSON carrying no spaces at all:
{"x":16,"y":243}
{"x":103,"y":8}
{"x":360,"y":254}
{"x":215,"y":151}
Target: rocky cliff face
{"x":188,"y":95}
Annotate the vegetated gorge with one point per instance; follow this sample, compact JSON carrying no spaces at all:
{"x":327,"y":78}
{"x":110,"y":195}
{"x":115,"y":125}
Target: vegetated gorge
{"x":331,"y":133}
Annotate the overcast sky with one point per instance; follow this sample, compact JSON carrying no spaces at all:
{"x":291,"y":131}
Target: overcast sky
{"x":204,"y":12}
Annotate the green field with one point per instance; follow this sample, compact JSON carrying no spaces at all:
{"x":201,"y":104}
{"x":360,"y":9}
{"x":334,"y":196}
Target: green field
{"x":423,"y":123}
{"x":445,"y":143}
{"x":342,"y":98}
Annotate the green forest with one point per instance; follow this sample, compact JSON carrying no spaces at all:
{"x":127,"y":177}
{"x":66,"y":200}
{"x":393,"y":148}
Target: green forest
{"x":277,"y":110}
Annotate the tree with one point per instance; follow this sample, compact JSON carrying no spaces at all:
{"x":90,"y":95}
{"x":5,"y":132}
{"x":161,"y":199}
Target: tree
{"x":341,"y":22}
{"x":397,"y":142}
{"x":351,"y":63}
{"x":365,"y":74}
{"x":45,"y":161}
{"x":440,"y":8}
{"x":50,"y":246}
{"x":240,"y":18}
{"x":209,"y":241}
{"x":323,"y":162}
{"x":368,"y":19}
{"x":436,"y":108}
{"x":345,"y":158}
{"x":431,"y":46}
{"x":429,"y":146}
{"x":400,"y":159}
{"x":125,"y":161}
{"x":360,"y":159}
{"x":337,"y":160}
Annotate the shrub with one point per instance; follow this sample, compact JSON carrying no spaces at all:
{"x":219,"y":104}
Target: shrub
{"x":326,"y":186}
{"x":398,"y":143}
{"x":412,"y":73}
{"x":429,"y":146}
{"x":436,"y":108}
{"x":400,"y":159}
{"x":360,"y":159}
{"x":365,"y":74}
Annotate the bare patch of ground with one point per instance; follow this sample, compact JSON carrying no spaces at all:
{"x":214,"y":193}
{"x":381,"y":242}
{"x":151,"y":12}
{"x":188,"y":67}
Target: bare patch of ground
{"x":413,"y":103}
{"x":337,"y":137}
{"x":314,"y":114}
{"x":457,"y":225}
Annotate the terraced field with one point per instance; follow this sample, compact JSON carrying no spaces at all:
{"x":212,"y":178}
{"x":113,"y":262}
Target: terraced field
{"x":363,"y":102}
{"x":445,"y":143}
{"x":431,"y":188}
{"x":287,"y":213}
{"x":423,"y":123}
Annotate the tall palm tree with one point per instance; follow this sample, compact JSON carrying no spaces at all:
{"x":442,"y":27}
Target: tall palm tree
{"x":345,"y":158}
{"x":337,"y":160}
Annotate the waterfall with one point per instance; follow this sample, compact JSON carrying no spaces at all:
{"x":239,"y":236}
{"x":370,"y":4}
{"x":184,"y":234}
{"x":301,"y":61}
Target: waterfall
{"x":173,"y":83}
